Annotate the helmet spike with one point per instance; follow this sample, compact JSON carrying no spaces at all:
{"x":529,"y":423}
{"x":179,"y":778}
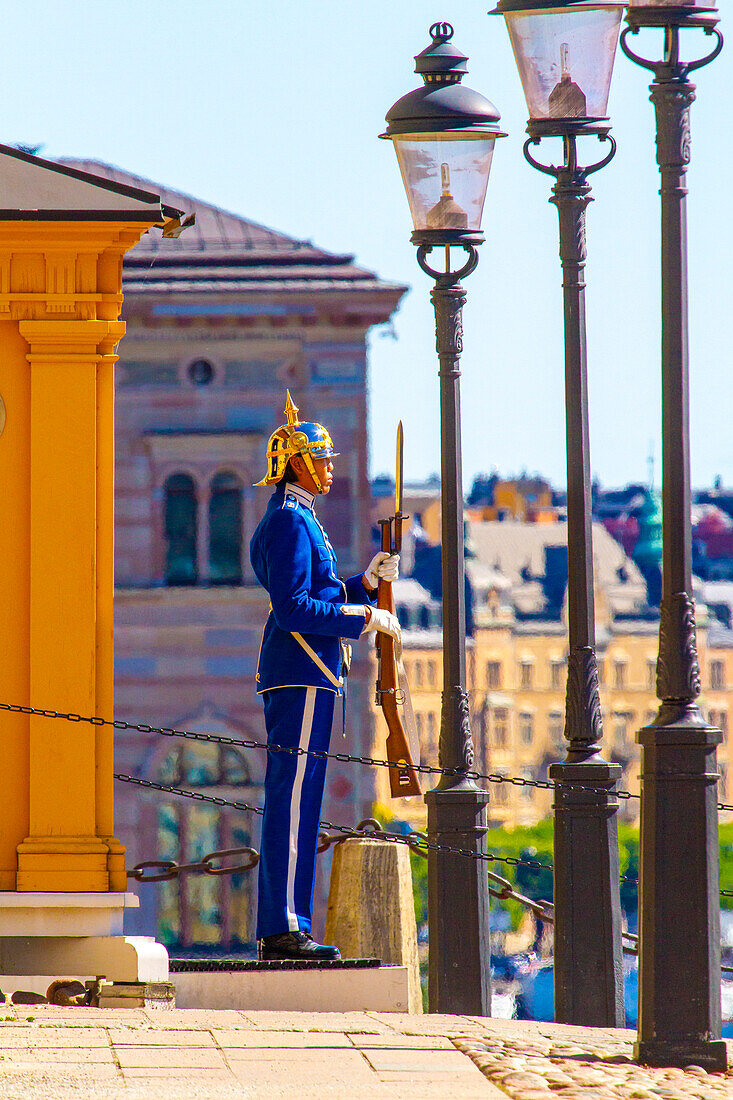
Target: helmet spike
{"x":291,"y":411}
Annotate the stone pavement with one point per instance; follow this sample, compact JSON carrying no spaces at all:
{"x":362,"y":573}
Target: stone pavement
{"x":136,"y":1054}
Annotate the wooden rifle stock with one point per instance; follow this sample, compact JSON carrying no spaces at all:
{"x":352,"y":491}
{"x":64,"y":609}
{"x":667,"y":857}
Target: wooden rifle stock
{"x":403,"y":780}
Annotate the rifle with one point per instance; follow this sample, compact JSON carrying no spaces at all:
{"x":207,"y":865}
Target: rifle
{"x":393,"y":694}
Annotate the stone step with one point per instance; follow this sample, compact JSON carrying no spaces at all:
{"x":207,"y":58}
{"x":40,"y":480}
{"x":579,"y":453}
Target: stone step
{"x":337,"y":985}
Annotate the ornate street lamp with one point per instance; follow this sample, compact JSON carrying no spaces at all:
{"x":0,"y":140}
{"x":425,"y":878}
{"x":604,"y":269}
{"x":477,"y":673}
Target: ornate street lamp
{"x":679,"y":924}
{"x":443,"y":135}
{"x":565,"y":53}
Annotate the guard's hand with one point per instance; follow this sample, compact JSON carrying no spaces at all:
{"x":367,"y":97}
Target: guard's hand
{"x":382,"y":567}
{"x":384,"y":622}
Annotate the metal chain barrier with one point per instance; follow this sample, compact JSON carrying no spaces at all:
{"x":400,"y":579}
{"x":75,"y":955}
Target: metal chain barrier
{"x":412,"y":840}
{"x":341,"y":757}
{"x":416,"y":841}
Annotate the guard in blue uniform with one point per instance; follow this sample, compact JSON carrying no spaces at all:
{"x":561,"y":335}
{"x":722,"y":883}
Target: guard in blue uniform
{"x":300,"y":673}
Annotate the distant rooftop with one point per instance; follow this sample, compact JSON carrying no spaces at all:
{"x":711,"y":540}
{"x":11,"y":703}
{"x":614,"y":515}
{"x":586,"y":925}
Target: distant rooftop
{"x":225,"y":252}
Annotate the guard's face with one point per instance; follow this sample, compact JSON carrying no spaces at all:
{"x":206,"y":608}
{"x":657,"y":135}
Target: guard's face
{"x":324,"y":470}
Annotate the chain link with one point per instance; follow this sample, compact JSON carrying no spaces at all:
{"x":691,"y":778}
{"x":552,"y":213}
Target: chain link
{"x":169,"y":869}
{"x":341,"y":757}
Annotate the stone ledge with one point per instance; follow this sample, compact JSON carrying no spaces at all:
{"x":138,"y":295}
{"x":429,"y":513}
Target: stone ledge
{"x":64,"y":912}
{"x":380,"y":988}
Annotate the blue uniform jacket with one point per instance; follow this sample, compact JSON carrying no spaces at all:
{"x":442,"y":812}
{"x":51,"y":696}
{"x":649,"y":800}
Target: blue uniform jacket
{"x":293,"y":559}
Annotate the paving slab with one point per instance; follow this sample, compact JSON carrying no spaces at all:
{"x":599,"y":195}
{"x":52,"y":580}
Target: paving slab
{"x":148,"y":1036}
{"x":356,"y":1022}
{"x":285,"y":1040}
{"x":112,"y":1054}
{"x":401,"y":1042}
{"x":189,"y":1019}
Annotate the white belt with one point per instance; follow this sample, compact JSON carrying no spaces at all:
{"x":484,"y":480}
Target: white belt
{"x":337,"y":681}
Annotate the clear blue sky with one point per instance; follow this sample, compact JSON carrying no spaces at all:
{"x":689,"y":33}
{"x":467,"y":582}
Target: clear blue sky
{"x":272,"y":110}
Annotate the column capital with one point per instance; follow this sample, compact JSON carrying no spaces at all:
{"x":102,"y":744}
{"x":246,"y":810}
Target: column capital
{"x":51,"y":338}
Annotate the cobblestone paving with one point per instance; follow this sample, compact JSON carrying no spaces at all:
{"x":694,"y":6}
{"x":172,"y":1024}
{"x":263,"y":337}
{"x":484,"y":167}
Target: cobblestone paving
{"x":531,"y":1061}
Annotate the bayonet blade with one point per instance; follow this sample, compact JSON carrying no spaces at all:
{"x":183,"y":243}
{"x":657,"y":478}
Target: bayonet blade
{"x":398,"y":473}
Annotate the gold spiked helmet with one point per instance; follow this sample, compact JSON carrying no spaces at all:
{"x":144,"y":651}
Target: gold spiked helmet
{"x":296,"y":437}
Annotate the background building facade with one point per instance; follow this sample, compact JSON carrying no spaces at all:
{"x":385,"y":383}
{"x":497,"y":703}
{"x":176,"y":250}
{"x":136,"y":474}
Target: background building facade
{"x":516,"y":664}
{"x":219,"y":323}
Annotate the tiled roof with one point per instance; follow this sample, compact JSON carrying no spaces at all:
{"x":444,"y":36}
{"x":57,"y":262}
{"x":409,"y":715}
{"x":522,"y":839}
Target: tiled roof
{"x":511,"y":545}
{"x":226,"y":254}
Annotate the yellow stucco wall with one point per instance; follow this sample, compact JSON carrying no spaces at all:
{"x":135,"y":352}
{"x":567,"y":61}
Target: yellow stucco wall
{"x":60,"y":299}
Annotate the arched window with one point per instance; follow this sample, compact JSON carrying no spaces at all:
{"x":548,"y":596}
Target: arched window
{"x":225,"y":530}
{"x":180,"y":530}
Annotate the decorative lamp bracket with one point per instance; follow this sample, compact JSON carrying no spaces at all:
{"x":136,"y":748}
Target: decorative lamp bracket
{"x":670,"y":67}
{"x":448,"y":277}
{"x":570,"y":167}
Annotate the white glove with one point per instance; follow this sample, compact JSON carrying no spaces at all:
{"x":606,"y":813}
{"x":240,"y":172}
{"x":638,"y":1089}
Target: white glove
{"x":383,"y":566}
{"x":385,"y":622}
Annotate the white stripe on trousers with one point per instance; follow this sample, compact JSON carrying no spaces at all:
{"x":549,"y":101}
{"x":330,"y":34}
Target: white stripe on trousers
{"x":295,"y":798}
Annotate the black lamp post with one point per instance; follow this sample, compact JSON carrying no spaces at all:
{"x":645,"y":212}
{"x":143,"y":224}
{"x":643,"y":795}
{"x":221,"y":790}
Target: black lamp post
{"x":443,"y":135}
{"x":679,"y":943}
{"x":565,"y":53}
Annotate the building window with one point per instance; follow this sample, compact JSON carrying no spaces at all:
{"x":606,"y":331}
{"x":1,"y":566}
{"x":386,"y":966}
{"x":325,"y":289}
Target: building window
{"x":431,"y":728}
{"x":418,"y":673}
{"x":493,"y":674}
{"x":419,"y":725}
{"x":526,"y":729}
{"x":556,"y":673}
{"x":225,"y":530}
{"x":180,"y":530}
{"x":601,"y":664}
{"x":201,"y":372}
{"x":717,"y":675}
{"x":500,"y":727}
{"x":651,"y":673}
{"x":619,"y":674}
{"x":205,"y":766}
{"x":502,"y":793}
{"x":620,"y":730}
{"x":527,"y":792}
{"x":719,"y":719}
{"x":431,"y":674}
{"x":555,"y":730}
{"x":526,"y":670}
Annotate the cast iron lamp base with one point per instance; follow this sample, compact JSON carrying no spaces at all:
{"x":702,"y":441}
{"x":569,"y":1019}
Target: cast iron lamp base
{"x":458,"y":902}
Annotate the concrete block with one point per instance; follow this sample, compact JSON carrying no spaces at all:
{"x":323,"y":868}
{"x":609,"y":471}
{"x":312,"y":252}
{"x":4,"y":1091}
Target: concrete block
{"x":371,"y":911}
{"x":381,"y":989}
{"x":46,"y":958}
{"x":63,"y":913}
{"x":154,"y":995}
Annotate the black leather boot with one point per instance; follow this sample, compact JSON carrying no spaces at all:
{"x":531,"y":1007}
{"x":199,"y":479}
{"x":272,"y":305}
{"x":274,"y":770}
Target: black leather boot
{"x":295,"y":945}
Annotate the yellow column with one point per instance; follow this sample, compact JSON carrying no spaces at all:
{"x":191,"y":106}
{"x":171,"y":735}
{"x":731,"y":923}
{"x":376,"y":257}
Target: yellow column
{"x":104,"y":738}
{"x":69,"y":845}
{"x":14,"y":594}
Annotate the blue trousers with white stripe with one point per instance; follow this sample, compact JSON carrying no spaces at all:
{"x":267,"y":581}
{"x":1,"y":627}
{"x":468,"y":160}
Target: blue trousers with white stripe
{"x":294,"y":716}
